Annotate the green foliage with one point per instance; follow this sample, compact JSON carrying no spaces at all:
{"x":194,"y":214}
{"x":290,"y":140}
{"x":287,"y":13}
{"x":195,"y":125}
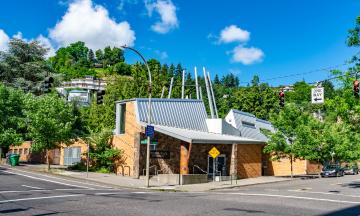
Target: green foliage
{"x":23,"y":65}
{"x":102,"y":154}
{"x":12,"y":125}
{"x":50,"y":121}
{"x":77,"y":61}
{"x":260,"y":100}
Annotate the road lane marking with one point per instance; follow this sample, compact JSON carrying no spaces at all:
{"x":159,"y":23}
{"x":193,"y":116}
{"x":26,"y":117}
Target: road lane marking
{"x":47,"y":180}
{"x":53,"y":177}
{"x":23,"y":191}
{"x":326,"y":193}
{"x":32,"y":187}
{"x":60,"y":189}
{"x":291,"y":197}
{"x":40,"y":198}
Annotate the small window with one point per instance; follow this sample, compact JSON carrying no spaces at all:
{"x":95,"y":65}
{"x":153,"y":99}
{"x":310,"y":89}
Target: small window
{"x":21,"y":151}
{"x":152,"y":147}
{"x":16,"y":151}
{"x":122,"y":118}
{"x":248,"y":124}
{"x":26,"y":151}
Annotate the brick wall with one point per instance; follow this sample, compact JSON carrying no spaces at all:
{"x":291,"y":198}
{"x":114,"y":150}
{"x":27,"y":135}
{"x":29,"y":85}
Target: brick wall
{"x":167,"y":166}
{"x":283,"y":167}
{"x":129,"y":142}
{"x":79,"y":143}
{"x":313,"y":167}
{"x":249,"y":160}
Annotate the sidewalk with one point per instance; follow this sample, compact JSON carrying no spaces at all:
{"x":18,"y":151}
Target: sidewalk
{"x":129,"y":182}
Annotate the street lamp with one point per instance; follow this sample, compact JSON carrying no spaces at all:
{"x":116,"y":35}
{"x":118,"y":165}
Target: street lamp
{"x":148,"y":114}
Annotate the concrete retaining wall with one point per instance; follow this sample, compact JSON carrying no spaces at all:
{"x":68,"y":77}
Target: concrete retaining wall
{"x":193,"y":179}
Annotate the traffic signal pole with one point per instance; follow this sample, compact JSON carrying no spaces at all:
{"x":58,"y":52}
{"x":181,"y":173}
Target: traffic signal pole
{"x":148,"y":115}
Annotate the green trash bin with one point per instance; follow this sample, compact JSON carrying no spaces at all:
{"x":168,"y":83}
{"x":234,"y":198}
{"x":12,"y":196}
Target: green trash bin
{"x":14,"y":159}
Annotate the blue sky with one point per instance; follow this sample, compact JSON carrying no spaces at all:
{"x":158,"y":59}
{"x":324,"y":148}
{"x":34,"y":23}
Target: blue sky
{"x":267,"y":38}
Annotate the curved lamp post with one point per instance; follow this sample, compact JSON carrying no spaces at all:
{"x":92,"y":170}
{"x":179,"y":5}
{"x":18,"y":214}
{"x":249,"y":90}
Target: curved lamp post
{"x":148,"y":114}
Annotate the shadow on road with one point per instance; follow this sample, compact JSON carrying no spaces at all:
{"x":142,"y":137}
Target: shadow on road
{"x":352,"y":185}
{"x":8,"y":211}
{"x":355,"y":210}
{"x":243,"y":210}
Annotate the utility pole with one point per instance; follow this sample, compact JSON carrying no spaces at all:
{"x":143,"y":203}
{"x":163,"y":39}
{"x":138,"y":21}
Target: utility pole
{"x":148,"y":115}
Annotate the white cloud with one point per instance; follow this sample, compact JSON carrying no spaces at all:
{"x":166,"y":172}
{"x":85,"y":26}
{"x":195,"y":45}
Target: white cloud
{"x":167,"y":11}
{"x":44,"y":41}
{"x":4,"y":40}
{"x":90,"y":23}
{"x":247,"y":55}
{"x":233,"y":33}
{"x":122,"y":4}
{"x":162,"y":54}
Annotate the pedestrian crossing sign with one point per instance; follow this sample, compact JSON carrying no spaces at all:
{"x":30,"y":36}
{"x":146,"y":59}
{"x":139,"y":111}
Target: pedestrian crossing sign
{"x":214,"y":152}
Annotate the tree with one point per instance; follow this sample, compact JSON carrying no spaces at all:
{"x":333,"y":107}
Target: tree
{"x":12,"y":125}
{"x":285,"y":142}
{"x":99,"y":55}
{"x":102,"y":153}
{"x":23,"y":65}
{"x":91,"y":57}
{"x":72,"y":61}
{"x":51,"y":122}
{"x":217,"y":80}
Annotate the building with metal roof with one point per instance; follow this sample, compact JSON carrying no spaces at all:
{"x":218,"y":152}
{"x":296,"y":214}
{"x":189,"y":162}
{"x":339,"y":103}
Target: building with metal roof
{"x":187,"y":120}
{"x":184,"y":135}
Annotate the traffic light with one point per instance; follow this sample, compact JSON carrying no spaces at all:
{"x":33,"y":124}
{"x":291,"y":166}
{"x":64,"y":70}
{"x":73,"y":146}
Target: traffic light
{"x":99,"y":96}
{"x":282,"y":98}
{"x":356,"y":89}
{"x":47,"y":84}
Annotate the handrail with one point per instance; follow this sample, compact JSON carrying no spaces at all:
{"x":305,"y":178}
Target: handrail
{"x":150,"y":169}
{"x":157,"y":173}
{"x":196,"y":166}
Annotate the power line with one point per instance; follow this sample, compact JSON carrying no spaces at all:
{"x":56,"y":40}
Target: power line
{"x":299,"y":74}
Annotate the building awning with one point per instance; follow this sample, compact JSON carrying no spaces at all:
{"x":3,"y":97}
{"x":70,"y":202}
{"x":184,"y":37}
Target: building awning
{"x":201,"y":137}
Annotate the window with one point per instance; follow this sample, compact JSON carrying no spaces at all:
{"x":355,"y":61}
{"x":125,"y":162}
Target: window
{"x":21,"y":151}
{"x":16,"y":151}
{"x":248,"y":124}
{"x":152,"y":147}
{"x":122,"y":118}
{"x":26,"y":151}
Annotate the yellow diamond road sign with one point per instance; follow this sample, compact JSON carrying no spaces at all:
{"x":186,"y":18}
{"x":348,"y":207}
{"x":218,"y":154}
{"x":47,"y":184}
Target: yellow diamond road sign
{"x":214,"y":152}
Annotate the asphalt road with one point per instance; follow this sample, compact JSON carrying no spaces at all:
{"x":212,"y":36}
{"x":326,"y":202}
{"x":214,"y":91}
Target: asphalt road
{"x":24,"y":193}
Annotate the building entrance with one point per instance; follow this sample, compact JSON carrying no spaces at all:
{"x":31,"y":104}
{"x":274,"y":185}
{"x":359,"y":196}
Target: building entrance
{"x":220,"y":166}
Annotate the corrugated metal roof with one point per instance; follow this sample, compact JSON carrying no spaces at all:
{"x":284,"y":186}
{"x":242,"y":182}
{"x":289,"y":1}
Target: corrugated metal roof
{"x":179,"y":113}
{"x":241,"y":119}
{"x":200,"y":137}
{"x":265,"y":125}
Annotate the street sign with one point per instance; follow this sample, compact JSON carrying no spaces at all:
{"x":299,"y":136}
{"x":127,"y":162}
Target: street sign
{"x":149,"y":131}
{"x":317,"y":95}
{"x":214,"y":152}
